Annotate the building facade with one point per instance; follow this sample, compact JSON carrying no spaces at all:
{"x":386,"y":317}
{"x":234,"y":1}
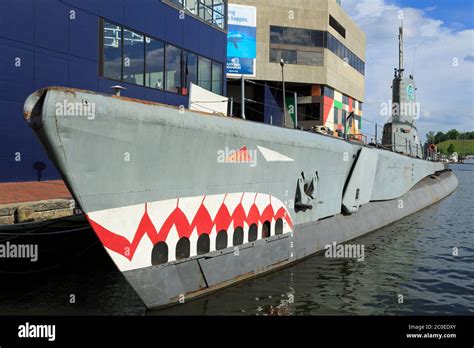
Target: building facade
{"x":153,"y":48}
{"x":324,"y":55}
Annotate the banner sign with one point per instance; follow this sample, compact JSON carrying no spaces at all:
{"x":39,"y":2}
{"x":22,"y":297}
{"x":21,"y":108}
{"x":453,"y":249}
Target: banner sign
{"x":242,"y":41}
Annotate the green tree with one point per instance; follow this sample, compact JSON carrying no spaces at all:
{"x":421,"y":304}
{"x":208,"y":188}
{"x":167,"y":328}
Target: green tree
{"x":453,"y":134}
{"x":451,"y":149}
{"x":430,"y":138}
{"x":440,"y":137}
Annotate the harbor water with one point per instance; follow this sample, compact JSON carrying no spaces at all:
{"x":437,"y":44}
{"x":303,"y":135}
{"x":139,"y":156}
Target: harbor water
{"x":421,"y":265}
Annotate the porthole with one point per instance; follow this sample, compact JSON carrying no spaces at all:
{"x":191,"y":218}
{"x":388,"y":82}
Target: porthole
{"x":221,"y":240}
{"x":266,"y":230}
{"x":159,"y":254}
{"x":183,"y":249}
{"x":253,"y":233}
{"x":203,"y":244}
{"x":279,"y":227}
{"x":238,"y":236}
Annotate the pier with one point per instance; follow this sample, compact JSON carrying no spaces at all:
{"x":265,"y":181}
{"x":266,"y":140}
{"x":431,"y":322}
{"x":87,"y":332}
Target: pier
{"x":23,"y":202}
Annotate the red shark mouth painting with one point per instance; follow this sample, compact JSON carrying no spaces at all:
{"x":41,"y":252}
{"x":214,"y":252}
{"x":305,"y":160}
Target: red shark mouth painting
{"x":130,"y":233}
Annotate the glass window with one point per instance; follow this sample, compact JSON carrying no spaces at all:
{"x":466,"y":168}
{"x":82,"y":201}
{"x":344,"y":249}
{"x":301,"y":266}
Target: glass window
{"x":192,"y":6}
{"x":177,"y":2}
{"x":219,"y":6}
{"x":308,"y":38}
{"x":328,"y":92}
{"x":274,"y":54}
{"x":276,"y":35}
{"x":190,"y":62}
{"x":133,"y":57}
{"x":289,"y":56}
{"x":205,"y":10}
{"x":310,"y":58}
{"x":219,"y":13}
{"x":112,"y":51}
{"x":331,"y":43}
{"x":217,"y":78}
{"x":290,"y":36}
{"x":219,"y":20}
{"x":351,"y":59}
{"x":340,"y":49}
{"x":311,"y":112}
{"x":204,"y":78}
{"x":155,"y":58}
{"x":317,"y":38}
{"x":304,"y":37}
{"x":173,"y":69}
{"x":344,"y":52}
{"x":212,"y":11}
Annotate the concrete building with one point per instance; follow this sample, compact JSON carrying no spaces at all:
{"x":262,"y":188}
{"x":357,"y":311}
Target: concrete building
{"x":154,"y":48}
{"x":324,"y":54}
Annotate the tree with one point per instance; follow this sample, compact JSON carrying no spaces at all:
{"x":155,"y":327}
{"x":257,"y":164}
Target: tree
{"x":430,"y":138}
{"x":451,"y":149}
{"x":440,"y":137}
{"x":453,"y":134}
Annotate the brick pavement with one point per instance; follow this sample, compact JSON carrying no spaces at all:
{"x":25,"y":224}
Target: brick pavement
{"x":19,"y":192}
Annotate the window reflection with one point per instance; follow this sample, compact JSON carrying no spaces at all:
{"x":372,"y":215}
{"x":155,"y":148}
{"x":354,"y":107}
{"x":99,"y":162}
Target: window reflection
{"x":281,"y":36}
{"x":190,"y":61}
{"x":173,"y":68}
{"x":205,"y":73}
{"x":133,"y":57}
{"x":112,"y":53}
{"x":191,"y":6}
{"x":216,"y":78}
{"x":155,"y":54}
{"x":211,"y":11}
{"x":289,"y":56}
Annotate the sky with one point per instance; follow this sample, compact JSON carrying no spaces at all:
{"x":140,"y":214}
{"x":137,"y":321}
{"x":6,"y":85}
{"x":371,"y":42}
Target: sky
{"x":439,"y":52}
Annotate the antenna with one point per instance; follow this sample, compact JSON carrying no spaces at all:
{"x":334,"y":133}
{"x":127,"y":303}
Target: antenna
{"x":414,"y":60}
{"x":400,"y":50}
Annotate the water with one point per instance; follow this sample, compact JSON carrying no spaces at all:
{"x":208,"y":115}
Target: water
{"x":411,"y":260}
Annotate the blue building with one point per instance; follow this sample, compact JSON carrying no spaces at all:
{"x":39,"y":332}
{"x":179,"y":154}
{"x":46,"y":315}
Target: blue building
{"x":154,"y":48}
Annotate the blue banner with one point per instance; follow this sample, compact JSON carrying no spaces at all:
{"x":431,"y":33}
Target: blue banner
{"x":242,"y":40}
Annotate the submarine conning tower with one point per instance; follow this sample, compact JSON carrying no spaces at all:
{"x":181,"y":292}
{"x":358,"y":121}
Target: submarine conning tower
{"x":400,"y":133}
